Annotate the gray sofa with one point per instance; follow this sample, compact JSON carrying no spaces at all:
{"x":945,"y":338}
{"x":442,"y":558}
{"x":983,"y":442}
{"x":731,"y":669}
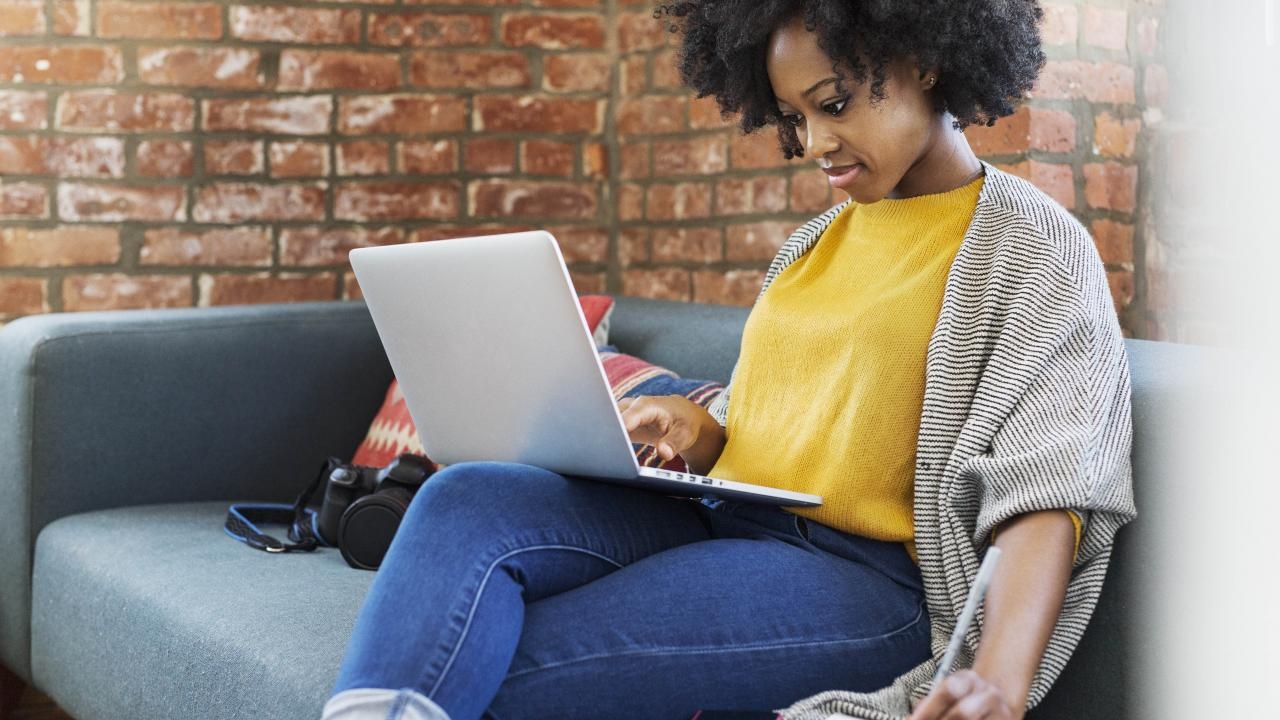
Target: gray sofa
{"x":126,"y":434}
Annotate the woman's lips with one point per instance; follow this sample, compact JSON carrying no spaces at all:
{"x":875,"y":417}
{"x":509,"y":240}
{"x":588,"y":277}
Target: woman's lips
{"x":843,"y":176}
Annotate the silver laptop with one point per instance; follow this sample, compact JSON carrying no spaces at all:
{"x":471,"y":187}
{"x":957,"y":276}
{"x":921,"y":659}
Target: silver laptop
{"x":496,"y":362}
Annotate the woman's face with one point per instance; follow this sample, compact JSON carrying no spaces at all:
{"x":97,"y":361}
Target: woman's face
{"x":892,"y":148}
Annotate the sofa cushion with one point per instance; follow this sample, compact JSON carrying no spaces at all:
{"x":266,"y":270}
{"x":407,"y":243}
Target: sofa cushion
{"x":184,"y":622}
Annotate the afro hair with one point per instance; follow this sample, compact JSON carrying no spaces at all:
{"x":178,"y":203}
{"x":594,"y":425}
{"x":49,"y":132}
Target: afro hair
{"x":987,"y":52}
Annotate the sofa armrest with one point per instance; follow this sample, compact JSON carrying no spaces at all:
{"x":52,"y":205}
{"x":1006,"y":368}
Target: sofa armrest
{"x":126,"y":408}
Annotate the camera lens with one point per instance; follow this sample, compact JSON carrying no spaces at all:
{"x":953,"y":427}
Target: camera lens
{"x":368,"y":527}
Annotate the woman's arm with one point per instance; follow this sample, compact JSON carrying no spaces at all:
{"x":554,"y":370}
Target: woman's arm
{"x":1022,"y":607}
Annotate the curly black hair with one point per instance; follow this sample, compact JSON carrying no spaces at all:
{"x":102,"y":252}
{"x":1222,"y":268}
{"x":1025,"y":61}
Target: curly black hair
{"x":987,"y":52}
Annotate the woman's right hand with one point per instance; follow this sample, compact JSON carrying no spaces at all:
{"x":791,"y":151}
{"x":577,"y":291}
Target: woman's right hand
{"x":674,"y":425}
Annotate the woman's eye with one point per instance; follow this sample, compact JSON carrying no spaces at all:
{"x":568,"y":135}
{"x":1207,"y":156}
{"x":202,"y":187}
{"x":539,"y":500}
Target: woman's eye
{"x":835,"y":107}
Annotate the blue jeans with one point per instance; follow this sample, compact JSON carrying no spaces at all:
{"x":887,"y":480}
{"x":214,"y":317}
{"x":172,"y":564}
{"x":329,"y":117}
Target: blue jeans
{"x":513,"y":592}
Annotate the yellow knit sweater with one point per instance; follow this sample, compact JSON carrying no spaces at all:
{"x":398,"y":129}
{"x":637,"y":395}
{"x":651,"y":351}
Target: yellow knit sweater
{"x":830,"y":382}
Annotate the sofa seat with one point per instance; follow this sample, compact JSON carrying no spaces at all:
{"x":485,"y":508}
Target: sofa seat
{"x":191,"y":622}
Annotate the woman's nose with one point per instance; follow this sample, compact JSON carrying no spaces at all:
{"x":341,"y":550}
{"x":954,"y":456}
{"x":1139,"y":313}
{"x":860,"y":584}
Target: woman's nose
{"x":818,"y":142}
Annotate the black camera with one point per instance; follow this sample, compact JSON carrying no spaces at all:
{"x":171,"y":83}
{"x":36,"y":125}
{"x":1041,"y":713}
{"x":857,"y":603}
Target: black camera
{"x":363,"y":506}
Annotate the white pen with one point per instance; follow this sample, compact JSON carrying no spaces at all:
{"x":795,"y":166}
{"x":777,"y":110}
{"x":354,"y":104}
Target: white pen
{"x":979,"y":589}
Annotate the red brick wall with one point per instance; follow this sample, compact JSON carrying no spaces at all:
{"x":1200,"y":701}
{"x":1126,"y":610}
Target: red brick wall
{"x":160,"y":153}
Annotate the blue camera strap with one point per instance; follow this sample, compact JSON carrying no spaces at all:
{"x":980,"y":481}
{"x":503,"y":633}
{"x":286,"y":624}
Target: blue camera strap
{"x":243,"y":520}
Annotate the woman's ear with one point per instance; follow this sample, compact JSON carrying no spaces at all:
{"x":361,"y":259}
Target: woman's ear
{"x":928,"y":78}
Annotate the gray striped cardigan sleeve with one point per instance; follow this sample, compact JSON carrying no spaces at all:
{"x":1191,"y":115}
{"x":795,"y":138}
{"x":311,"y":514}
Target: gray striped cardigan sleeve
{"x":1026,"y":408}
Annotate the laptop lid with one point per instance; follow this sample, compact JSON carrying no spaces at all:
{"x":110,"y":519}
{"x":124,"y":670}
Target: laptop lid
{"x":493,"y":353}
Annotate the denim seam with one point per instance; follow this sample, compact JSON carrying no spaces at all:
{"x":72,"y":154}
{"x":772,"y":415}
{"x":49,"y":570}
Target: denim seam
{"x":398,"y":704}
{"x":475,"y":601}
{"x":920,"y":614}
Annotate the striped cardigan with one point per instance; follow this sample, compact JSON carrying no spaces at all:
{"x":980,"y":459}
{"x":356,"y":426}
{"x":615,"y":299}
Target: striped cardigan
{"x":1026,"y":407}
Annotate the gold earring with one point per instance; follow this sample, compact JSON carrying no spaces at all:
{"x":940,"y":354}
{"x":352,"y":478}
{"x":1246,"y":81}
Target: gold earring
{"x":932,"y":80}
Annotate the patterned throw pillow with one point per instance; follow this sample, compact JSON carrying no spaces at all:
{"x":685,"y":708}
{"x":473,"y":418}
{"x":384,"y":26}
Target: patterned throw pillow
{"x":392,"y":432}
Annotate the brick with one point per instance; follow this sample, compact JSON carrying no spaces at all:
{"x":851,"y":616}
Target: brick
{"x":296,"y":115}
{"x":484,"y":3}
{"x":810,"y":192}
{"x":165,"y":158}
{"x":1106,"y":28}
{"x":664,"y":284}
{"x":106,"y":111}
{"x":295,"y":25}
{"x":71,"y":18}
{"x":640,"y":31}
{"x":538,"y":114}
{"x":1060,"y":25}
{"x":298,"y":159}
{"x":594,"y":283}
{"x":440,"y":231}
{"x":363,"y":157}
{"x":1114,"y":241}
{"x":401,"y":114}
{"x":84,"y":202}
{"x":666,"y":71}
{"x":533,"y":199}
{"x":698,"y":245}
{"x":1106,"y":82}
{"x":652,"y":115}
{"x":755,"y":242}
{"x":338,"y":69}
{"x":576,"y":72}
{"x":703,"y":155}
{"x":21,"y":110}
{"x":1111,"y":186}
{"x":22,"y":296}
{"x":429,"y":29}
{"x":1052,"y":130}
{"x":117,"y":291}
{"x":61,"y":156}
{"x":567,"y":3}
{"x":364,"y":201}
{"x":733,"y":287}
{"x":22,"y":17}
{"x":548,"y":157}
{"x":23,"y":200}
{"x":1155,"y":85}
{"x":1009,"y":136}
{"x":634,"y":75}
{"x":633,"y":246}
{"x":547,"y":31}
{"x":1115,"y":137}
{"x":704,"y":113}
{"x":678,"y":201}
{"x":351,"y":287}
{"x":485,"y":155}
{"x":635,"y":160}
{"x":233,"y":157}
{"x":1122,"y":289}
{"x":65,"y":246}
{"x":233,"y":202}
{"x":468,"y":70}
{"x":168,"y":20}
{"x":218,"y":67}
{"x":1148,"y":34}
{"x":582,"y":244}
{"x":758,"y":150}
{"x":595,"y":160}
{"x":747,"y":196}
{"x":630,"y":202}
{"x":240,"y":246}
{"x":65,"y":65}
{"x":1055,"y":179}
{"x":316,"y":246}
{"x":263,"y":288}
{"x":427,"y":157}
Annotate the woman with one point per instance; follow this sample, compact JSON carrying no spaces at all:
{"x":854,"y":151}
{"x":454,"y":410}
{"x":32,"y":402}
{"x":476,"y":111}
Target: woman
{"x":938,"y":358}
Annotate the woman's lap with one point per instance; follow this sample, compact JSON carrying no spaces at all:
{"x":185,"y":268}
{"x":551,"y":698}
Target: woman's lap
{"x":502,"y":559}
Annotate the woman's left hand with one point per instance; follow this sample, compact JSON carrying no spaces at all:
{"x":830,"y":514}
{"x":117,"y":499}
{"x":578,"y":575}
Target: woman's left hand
{"x":965,"y":695}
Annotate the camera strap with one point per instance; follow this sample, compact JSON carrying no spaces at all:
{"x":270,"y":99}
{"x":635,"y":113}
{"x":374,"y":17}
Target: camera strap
{"x":243,"y":520}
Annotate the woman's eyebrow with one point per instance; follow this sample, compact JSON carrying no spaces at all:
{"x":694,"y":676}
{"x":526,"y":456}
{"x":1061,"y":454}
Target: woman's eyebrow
{"x":819,"y":84}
